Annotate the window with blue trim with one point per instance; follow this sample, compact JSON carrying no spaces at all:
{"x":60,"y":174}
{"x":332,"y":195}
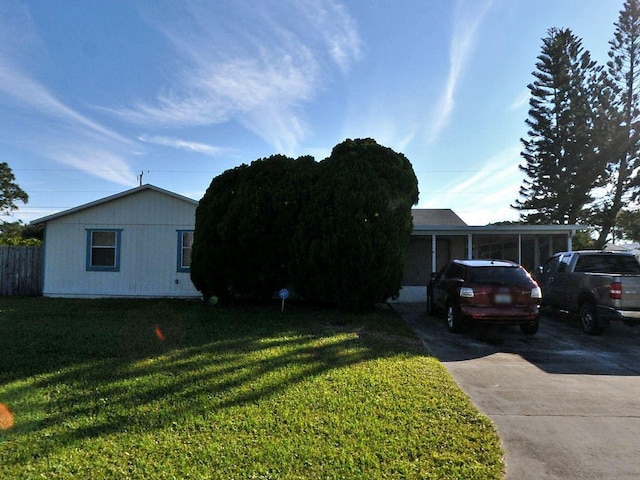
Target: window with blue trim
{"x":185,"y":242}
{"x":103,"y":250}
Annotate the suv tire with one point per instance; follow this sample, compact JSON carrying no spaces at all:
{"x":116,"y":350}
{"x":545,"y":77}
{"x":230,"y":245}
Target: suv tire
{"x":530,"y":328}
{"x":454,"y":319}
{"x":431,"y":308}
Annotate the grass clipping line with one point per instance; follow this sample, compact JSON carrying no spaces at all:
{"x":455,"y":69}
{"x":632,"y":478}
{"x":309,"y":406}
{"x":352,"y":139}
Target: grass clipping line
{"x":229,"y":393}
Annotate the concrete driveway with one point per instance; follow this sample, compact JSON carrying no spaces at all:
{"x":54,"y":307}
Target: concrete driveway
{"x":566,"y":405}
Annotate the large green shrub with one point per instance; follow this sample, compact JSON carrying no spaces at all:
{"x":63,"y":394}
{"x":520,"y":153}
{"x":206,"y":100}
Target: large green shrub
{"x":244,"y":226}
{"x":335,"y":231}
{"x":209,"y":252}
{"x":353,"y":232}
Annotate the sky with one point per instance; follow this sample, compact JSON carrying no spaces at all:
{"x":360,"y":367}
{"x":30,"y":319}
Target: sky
{"x":95,"y":94}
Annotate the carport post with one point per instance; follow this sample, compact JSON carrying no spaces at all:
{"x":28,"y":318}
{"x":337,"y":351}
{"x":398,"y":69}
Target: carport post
{"x":520,"y":248}
{"x":434,"y":254}
{"x":469,"y":246}
{"x":570,"y":241}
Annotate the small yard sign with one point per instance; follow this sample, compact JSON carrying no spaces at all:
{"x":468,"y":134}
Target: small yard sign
{"x":284,"y":294}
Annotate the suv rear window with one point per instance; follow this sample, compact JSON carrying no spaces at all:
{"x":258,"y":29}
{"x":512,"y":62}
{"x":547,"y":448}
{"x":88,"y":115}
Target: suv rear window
{"x":498,"y":275}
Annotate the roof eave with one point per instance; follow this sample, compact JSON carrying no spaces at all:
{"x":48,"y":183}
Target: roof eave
{"x":496,"y":229}
{"x":110,"y":198}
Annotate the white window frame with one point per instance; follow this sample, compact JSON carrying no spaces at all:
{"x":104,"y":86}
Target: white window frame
{"x":91,"y":247}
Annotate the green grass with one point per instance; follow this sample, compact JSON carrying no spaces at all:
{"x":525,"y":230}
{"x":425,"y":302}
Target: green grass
{"x":170,"y":389}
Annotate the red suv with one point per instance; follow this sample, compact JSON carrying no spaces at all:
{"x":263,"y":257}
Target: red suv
{"x":485,"y":291}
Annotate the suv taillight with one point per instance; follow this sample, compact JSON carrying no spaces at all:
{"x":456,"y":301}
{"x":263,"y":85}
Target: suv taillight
{"x":615,"y":290}
{"x":467,"y":292}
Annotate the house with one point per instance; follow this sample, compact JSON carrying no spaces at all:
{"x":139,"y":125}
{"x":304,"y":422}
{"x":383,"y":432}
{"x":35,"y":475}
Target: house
{"x":630,"y":247}
{"x":133,"y":244}
{"x":439,"y":235}
{"x":138,"y":244}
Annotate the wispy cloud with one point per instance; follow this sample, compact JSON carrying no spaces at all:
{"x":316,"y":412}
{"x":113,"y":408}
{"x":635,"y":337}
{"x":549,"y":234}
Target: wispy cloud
{"x":521,"y":101}
{"x":468,"y":17}
{"x":64,"y":134}
{"x":260,"y":75}
{"x":29,"y":93}
{"x":494,"y":172}
{"x":496,"y":181}
{"x":337,"y":28}
{"x":179,"y":144}
{"x":94,"y":160}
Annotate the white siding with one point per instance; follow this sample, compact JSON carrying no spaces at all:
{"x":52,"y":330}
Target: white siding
{"x":149,"y":221}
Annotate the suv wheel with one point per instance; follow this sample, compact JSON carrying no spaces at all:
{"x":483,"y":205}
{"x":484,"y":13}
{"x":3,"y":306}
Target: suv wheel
{"x":454,"y":319}
{"x":589,"y":319}
{"x":530,"y":328}
{"x":431,"y":308}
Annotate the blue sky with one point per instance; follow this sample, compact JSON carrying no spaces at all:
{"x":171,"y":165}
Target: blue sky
{"x":93,"y":93}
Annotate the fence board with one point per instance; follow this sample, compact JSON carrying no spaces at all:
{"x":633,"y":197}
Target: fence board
{"x":20,"y":270}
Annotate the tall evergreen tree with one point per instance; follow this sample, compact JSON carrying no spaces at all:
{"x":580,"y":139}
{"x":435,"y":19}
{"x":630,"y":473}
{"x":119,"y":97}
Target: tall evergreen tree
{"x":624,"y":75}
{"x":562,"y":161}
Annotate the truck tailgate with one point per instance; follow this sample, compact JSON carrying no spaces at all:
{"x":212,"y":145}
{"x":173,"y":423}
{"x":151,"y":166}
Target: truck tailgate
{"x":621,"y":292}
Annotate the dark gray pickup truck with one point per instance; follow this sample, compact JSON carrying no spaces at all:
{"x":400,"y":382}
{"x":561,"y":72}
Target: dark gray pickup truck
{"x":599,"y":286}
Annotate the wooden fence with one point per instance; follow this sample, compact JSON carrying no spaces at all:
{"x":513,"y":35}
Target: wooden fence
{"x":21,"y":270}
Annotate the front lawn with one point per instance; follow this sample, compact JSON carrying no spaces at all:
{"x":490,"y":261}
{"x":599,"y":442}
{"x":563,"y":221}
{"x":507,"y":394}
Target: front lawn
{"x":173,"y":389}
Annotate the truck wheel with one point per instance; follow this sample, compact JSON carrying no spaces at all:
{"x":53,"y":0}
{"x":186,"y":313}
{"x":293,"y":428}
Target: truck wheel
{"x":454,"y":319}
{"x":530,"y":328}
{"x":589,"y":319}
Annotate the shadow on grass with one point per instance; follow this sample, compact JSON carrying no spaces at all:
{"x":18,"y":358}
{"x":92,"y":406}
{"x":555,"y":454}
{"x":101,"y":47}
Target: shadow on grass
{"x":73,"y":370}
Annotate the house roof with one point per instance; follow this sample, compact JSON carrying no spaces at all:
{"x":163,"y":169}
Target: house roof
{"x":429,"y":217}
{"x":111,"y":198}
{"x":517,"y":229}
{"x":444,"y":221}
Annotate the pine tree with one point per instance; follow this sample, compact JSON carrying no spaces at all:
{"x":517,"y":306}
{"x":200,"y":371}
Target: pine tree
{"x":624,"y":76}
{"x":562,"y":162}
